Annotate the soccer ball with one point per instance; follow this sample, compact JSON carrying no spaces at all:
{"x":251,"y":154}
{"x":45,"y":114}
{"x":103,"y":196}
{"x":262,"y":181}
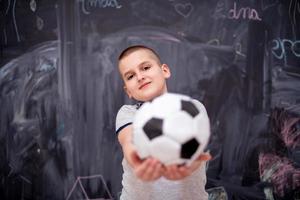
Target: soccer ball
{"x":173,"y":128}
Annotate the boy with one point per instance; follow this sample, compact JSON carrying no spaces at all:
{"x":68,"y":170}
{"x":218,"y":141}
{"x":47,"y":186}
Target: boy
{"x":145,"y":77}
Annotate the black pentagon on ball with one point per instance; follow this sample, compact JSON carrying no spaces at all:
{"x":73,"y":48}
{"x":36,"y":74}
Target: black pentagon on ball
{"x":189,"y":107}
{"x":189,"y":148}
{"x":153,"y":128}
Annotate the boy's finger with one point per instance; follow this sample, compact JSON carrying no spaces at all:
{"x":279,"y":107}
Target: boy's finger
{"x":174,"y":170}
{"x":136,"y":159}
{"x":149,"y":170}
{"x":205,"y":157}
{"x":157,"y":171}
{"x":142,"y":169}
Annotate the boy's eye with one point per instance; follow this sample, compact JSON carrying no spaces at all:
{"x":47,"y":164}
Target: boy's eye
{"x":129,"y":77}
{"x":146,"y":67}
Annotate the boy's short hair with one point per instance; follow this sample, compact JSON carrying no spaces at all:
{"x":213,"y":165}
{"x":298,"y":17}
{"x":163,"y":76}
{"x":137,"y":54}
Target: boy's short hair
{"x":130,"y":49}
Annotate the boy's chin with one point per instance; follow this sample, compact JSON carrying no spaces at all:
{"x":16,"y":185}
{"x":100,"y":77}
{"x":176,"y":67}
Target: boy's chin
{"x":148,"y":97}
{"x":144,"y":99}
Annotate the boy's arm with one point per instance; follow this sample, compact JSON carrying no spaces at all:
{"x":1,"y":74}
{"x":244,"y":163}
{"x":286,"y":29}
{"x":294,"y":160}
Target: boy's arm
{"x":148,"y":169}
{"x":125,"y":139}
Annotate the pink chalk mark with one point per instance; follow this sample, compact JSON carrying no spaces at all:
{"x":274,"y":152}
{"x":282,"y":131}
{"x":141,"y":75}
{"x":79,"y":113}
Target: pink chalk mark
{"x":245,"y":13}
{"x":284,"y":177}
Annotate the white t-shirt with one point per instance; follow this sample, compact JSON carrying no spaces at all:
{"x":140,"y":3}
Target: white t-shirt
{"x":189,"y":188}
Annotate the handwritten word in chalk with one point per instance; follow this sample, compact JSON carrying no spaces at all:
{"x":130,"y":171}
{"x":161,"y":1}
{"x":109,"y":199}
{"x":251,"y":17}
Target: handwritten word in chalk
{"x":281,"y":45}
{"x":244,"y":13}
{"x":87,"y":5}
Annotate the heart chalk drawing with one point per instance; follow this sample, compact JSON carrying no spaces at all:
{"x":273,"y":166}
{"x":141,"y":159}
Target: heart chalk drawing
{"x":184,"y":9}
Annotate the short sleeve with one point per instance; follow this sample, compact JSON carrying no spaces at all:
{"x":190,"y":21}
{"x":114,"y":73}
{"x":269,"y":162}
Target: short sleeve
{"x":125,"y":117}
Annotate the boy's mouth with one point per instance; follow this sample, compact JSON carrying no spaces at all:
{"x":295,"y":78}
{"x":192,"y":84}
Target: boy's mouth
{"x":143,"y":85}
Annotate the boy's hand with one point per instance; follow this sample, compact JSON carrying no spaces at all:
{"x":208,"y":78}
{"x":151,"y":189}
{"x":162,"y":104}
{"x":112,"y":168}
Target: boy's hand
{"x":175,"y":172}
{"x":148,"y":169}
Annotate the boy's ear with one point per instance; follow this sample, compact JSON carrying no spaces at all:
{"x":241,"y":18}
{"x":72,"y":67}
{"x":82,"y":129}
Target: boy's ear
{"x":166,"y":70}
{"x":127,"y":92}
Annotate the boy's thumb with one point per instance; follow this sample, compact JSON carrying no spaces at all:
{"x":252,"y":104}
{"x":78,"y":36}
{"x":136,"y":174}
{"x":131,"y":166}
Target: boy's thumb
{"x":205,"y":157}
{"x":135,"y":158}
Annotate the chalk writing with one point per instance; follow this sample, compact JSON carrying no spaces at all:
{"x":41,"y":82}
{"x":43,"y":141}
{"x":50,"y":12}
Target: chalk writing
{"x":219,"y":12}
{"x":184,"y":9}
{"x":280,"y":46}
{"x":244,"y":12}
{"x":33,"y":5}
{"x":87,"y":5}
{"x":39,"y":23}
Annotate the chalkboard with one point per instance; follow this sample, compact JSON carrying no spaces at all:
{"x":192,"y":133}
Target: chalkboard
{"x":59,"y":98}
{"x":24,"y":24}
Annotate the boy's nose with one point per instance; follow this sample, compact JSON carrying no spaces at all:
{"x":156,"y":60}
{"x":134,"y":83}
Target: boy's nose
{"x":140,"y":76}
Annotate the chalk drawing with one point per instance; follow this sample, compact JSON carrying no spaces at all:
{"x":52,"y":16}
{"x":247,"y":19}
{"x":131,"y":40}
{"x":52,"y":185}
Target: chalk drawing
{"x":14,"y":21}
{"x":25,"y":179}
{"x":78,"y":181}
{"x":265,"y":6}
{"x":184,"y":9}
{"x":213,"y":41}
{"x":294,"y":107}
{"x":238,"y":49}
{"x":217,"y":193}
{"x":5,"y":36}
{"x":181,"y":33}
{"x":294,"y":8}
{"x":8,"y":5}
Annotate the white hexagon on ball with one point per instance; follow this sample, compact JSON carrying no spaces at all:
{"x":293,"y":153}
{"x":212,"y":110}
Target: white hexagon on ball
{"x":180,"y":126}
{"x":167,"y":104}
{"x":164,"y":148}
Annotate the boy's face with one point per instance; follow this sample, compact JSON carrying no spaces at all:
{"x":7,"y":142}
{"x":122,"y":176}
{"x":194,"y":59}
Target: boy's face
{"x":143,"y":76}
